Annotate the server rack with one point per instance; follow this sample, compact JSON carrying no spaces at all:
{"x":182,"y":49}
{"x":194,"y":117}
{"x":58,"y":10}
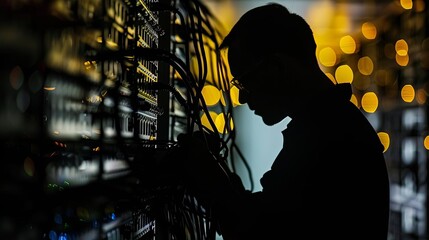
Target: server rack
{"x":407,"y":122}
{"x":87,"y":87}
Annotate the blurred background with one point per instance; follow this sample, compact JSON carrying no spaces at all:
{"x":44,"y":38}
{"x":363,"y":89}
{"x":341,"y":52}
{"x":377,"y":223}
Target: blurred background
{"x":381,"y":47}
{"x":94,"y":94}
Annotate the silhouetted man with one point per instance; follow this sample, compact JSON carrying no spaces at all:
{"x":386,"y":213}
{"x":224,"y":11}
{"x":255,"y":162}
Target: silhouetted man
{"x":330,"y":179}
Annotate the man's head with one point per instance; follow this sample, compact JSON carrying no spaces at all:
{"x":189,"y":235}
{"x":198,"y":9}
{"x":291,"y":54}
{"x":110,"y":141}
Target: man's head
{"x":270,"y":29}
{"x":268,"y":48}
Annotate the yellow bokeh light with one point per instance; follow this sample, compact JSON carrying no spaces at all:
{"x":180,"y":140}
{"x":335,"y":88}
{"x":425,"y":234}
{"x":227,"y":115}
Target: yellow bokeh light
{"x":234,"y":93}
{"x":369,"y":30}
{"x":205,"y":120}
{"x":344,"y":74}
{"x":419,"y":5}
{"x":407,"y":4}
{"x":331,"y":77}
{"x":348,"y":44}
{"x":327,"y":57}
{"x":365,"y":66}
{"x":231,"y":124}
{"x":220,"y":123}
{"x":401,"y":47}
{"x":210,"y":94}
{"x":407,"y":93}
{"x":426,"y":142}
{"x":384,"y":139}
{"x":369,"y":102}
{"x":402,"y":60}
{"x":354,"y":100}
{"x":421,"y":96}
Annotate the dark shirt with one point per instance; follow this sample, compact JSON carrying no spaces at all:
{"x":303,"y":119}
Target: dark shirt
{"x":329,"y":181}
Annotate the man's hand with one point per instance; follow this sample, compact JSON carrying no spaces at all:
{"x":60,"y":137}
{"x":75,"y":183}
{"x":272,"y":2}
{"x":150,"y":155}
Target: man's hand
{"x":204,"y":173}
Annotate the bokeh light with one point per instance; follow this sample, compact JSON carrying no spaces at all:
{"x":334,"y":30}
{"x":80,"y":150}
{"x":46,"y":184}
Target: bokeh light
{"x":407,"y":93}
{"x":421,"y":96}
{"x":426,"y":142}
{"x":331,"y":77}
{"x":401,"y":47}
{"x":369,"y":102}
{"x":384,"y":139}
{"x":327,"y":57}
{"x":402,"y":60}
{"x":220,"y":123}
{"x":369,"y":30}
{"x":407,"y":4}
{"x":234,"y":93}
{"x":365,"y":65}
{"x":348,"y":44}
{"x":344,"y":74}
{"x":205,"y":119}
{"x":210,"y":94}
{"x":354,"y":100}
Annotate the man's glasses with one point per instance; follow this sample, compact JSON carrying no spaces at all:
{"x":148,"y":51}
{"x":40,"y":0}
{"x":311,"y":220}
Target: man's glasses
{"x":235,"y":82}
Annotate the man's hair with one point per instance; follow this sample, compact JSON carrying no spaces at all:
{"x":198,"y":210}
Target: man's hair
{"x":272,"y":29}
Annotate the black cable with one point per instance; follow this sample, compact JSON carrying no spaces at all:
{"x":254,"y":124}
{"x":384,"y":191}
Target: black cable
{"x":173,"y":90}
{"x":196,"y":36}
{"x":196,"y":30}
